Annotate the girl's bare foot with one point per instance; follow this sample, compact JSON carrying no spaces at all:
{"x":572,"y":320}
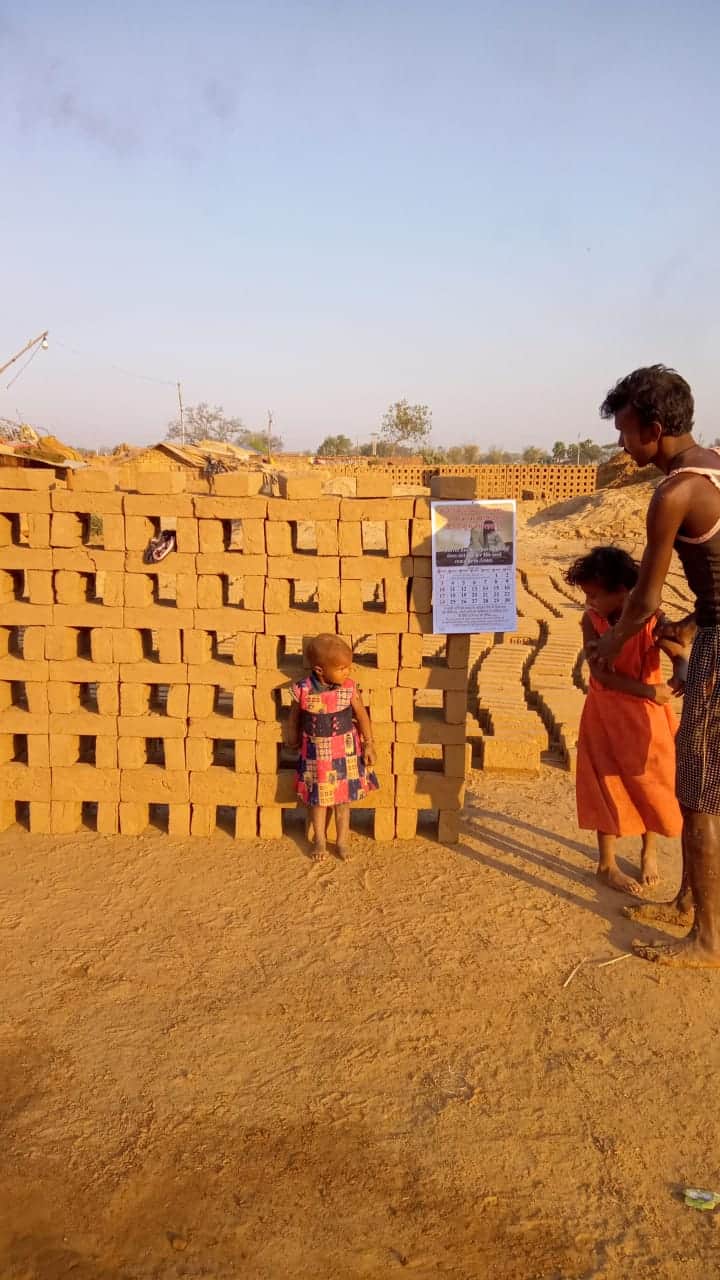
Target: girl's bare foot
{"x":614,"y":878}
{"x":342,"y":851}
{"x":318,"y":852}
{"x":662,"y":913}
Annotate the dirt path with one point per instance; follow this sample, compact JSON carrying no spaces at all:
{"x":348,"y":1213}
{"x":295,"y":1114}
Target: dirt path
{"x":219,"y":1061}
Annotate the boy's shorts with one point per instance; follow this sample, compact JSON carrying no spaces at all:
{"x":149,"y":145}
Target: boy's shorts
{"x":698,"y":741}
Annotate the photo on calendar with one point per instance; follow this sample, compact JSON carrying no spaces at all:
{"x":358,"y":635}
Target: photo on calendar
{"x":467,"y":534}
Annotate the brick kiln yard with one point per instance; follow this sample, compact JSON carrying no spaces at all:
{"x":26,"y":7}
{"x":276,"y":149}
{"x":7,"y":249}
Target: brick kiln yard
{"x":220,"y":1060}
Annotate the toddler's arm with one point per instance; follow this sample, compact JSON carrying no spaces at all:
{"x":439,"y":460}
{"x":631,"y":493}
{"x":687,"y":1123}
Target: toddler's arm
{"x":612,"y":680}
{"x":363,"y":723}
{"x":293,"y":726}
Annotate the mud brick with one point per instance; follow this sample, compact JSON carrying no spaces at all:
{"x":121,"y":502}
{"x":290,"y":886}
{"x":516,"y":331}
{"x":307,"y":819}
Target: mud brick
{"x":199,"y":753}
{"x":179,"y":821}
{"x":421,"y":537}
{"x":66,"y":697}
{"x":211,"y":537}
{"x":228,"y":508}
{"x":379,"y":703}
{"x":133,"y":818}
{"x":234,"y":564}
{"x":25,"y":478}
{"x":169,"y":648}
{"x":66,"y":529}
{"x":270,"y":654}
{"x":511,"y":755}
{"x":23,"y":781}
{"x":457,"y":651}
{"x":65,"y":817}
{"x":406,"y":823}
{"x":351,"y":596}
{"x":157,"y":617}
{"x":160,"y":482}
{"x":223,"y":674}
{"x":421,"y":567}
{"x":199,"y":759}
{"x":253,"y":536}
{"x":132,"y":753}
{"x":420,"y":624}
{"x":270,"y":823}
{"x":374,"y":484}
{"x":454,"y":487}
{"x":64,"y":749}
{"x":448,"y":826}
{"x":12,"y":668}
{"x":82,"y":615}
{"x":268,"y":679}
{"x":158,"y":506}
{"x":40,"y":818}
{"x":412,"y":651}
{"x":174,"y":566}
{"x":148,"y":673}
{"x":89,"y":504}
{"x":265,"y":704}
{"x":421,"y":510}
{"x":89,"y":481}
{"x":155,"y":785}
{"x":382,"y":799}
{"x":24,"y":502}
{"x":186,"y":534}
{"x":371,"y":678}
{"x":210,"y":593}
{"x":376,"y":509}
{"x":446,"y":678}
{"x":202,"y":820}
{"x":292,"y":510}
{"x":215,"y":726}
{"x":25,"y":558}
{"x":246,"y":822}
{"x":350,"y":541}
{"x":426,"y":790}
{"x":388,"y":652}
{"x":384,"y":825}
{"x":108,"y":818}
{"x":238,"y":484}
{"x":127,"y":645}
{"x":197,"y":648}
{"x":305,"y":485}
{"x":277,"y":788}
{"x":397,"y":533}
{"x":301,"y":622}
{"x":376,"y":623}
{"x":457,"y":760}
{"x":34,"y":644}
{"x":404,"y":755}
{"x":430,"y":728}
{"x":421,"y":595}
{"x":278,"y":539}
{"x":152,"y":725}
{"x":403,"y":704}
{"x":222,"y":786}
{"x":138,"y":532}
{"x":303,"y":567}
{"x":85,"y":782}
{"x":266,"y":757}
{"x":227,"y":620}
{"x":455,"y":706}
{"x":7,"y":807}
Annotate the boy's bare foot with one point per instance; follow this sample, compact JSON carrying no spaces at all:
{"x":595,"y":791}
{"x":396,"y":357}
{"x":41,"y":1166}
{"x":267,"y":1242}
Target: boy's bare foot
{"x":614,"y":878}
{"x":661,"y":913}
{"x":686,"y":953}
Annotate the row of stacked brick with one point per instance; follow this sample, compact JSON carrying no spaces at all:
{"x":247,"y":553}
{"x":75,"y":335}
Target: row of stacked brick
{"x":135,"y":692}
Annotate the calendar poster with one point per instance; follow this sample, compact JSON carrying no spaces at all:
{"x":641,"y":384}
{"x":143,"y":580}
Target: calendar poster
{"x":473,"y":566}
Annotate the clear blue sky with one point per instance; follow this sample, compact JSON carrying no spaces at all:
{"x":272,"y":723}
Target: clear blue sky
{"x":320,"y":206}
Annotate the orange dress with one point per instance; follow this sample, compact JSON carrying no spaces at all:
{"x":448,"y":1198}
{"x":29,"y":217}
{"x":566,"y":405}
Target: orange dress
{"x":625,"y":783}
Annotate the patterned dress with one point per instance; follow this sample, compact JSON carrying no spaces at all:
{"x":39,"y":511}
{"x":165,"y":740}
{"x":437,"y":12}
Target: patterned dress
{"x":331,"y":769}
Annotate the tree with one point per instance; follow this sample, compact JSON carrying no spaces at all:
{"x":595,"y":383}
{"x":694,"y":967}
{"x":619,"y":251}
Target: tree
{"x":559,"y":451}
{"x":203,"y":422}
{"x":406,"y":424}
{"x":335,"y":447}
{"x":259,"y":441}
{"x":533,"y":455}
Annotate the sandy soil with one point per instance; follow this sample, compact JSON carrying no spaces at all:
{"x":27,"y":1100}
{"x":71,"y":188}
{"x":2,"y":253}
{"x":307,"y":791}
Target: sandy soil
{"x":218,"y":1060}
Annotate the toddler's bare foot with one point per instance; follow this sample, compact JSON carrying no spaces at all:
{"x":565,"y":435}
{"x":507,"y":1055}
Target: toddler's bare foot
{"x":649,"y":875}
{"x":614,"y":878}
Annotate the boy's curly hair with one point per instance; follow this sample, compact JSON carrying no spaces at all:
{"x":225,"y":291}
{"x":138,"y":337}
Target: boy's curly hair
{"x":612,"y":567}
{"x":657,"y":394}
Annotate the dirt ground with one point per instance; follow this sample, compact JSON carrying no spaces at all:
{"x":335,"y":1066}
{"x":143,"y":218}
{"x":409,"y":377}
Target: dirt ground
{"x":219,"y":1060}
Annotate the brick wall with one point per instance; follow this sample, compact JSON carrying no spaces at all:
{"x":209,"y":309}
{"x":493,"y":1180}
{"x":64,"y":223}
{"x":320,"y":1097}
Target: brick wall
{"x":133,"y":694}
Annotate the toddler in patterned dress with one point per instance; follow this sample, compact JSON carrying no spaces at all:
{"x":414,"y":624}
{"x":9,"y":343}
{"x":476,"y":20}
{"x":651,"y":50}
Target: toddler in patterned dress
{"x":333,"y":768}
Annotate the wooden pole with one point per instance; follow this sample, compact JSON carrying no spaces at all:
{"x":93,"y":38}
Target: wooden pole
{"x":32,"y":343}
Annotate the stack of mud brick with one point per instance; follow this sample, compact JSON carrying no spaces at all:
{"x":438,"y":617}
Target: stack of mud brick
{"x":135,"y":694}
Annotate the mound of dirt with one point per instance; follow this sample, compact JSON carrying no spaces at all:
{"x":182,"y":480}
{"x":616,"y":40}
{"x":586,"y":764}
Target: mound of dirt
{"x":608,"y":516}
{"x":619,"y":471}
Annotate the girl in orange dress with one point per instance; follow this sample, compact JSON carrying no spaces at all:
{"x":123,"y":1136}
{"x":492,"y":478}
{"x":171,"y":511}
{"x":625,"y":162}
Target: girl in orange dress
{"x":625,"y":782}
